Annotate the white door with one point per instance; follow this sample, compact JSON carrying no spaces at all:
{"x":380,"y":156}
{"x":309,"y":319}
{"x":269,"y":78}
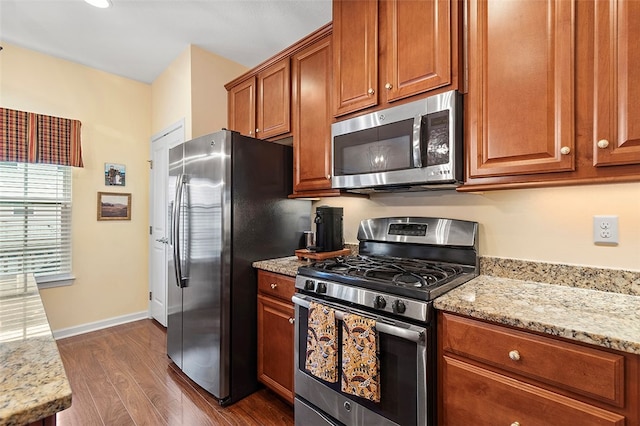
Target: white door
{"x":159,"y":219}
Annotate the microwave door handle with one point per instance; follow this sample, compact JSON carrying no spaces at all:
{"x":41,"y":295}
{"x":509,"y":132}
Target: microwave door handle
{"x":417,"y":142}
{"x":403,"y":333}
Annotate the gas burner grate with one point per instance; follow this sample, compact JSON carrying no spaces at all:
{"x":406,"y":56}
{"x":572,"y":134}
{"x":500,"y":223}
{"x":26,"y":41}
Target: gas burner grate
{"x":401,"y":272}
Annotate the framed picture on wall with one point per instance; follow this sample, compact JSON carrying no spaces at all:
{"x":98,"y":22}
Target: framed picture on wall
{"x":114,"y":206}
{"x":114,"y":174}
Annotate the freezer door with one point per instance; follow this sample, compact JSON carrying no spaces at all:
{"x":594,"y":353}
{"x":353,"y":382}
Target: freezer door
{"x":174,"y":292}
{"x":205,"y":292}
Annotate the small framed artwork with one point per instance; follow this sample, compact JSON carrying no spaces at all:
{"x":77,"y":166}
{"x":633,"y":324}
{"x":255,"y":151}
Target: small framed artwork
{"x":114,"y":174}
{"x":114,"y":206}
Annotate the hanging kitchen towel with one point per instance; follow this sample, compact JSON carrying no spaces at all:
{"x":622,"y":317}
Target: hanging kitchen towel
{"x":322,"y":353}
{"x":360,"y":373}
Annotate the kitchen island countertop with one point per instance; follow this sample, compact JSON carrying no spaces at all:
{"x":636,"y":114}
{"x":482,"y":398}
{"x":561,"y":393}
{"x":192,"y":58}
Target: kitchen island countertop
{"x":33,"y":383}
{"x":606,"y":319}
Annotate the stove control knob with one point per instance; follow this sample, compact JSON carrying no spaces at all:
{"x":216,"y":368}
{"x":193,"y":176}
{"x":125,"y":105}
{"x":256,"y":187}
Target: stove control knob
{"x":399,"y":307}
{"x":321,"y":288}
{"x":309,"y":285}
{"x":379,"y":302}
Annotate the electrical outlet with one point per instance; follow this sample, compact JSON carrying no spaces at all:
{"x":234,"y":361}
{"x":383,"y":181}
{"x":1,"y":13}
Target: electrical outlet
{"x":605,"y":229}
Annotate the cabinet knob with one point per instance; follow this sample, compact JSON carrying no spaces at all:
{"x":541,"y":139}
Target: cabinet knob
{"x":565,"y":150}
{"x":291,"y":320}
{"x":328,"y":177}
{"x":514,"y":355}
{"x":515,"y":424}
{"x":388,"y":86}
{"x":371,"y":91}
{"x":603,"y":143}
{"x":257,"y":130}
{"x":274,"y":286}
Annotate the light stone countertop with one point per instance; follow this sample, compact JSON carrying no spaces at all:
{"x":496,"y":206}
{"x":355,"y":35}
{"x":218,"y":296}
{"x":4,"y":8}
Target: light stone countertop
{"x":33,"y":383}
{"x":284,"y":265}
{"x":607,"y":319}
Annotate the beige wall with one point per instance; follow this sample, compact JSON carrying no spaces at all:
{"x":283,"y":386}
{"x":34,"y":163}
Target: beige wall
{"x":209,"y":74}
{"x":192,"y":87}
{"x":109,"y":257}
{"x":548,"y":224}
{"x":171,"y":96}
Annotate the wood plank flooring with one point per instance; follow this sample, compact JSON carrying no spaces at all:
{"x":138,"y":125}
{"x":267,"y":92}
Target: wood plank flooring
{"x":122,"y":376}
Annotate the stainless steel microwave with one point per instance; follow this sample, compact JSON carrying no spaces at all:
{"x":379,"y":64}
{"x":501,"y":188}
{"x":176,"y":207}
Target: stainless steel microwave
{"x":413,"y":146}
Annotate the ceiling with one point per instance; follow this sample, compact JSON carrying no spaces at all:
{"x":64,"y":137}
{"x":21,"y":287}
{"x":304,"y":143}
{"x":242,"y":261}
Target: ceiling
{"x":138,"y":39}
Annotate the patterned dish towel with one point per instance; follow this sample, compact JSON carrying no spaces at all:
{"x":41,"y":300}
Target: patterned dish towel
{"x":360,"y":374}
{"x":322,"y":353}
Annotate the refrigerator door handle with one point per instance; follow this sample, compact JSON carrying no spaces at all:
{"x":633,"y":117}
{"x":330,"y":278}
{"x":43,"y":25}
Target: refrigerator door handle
{"x":177,"y":205}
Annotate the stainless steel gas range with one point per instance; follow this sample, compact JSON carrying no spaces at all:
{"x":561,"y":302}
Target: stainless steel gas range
{"x":403,"y":264}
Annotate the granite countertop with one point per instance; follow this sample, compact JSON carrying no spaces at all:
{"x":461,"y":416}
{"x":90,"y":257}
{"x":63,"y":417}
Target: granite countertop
{"x":591,"y":305}
{"x":33,"y":383}
{"x":284,"y":265}
{"x":607,"y":319}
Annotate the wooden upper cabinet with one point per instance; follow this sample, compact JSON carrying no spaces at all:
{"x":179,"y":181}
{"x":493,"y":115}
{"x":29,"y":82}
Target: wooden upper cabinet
{"x":312,"y":117}
{"x":520,"y":104}
{"x":242,"y":107}
{"x":355,"y":55}
{"x":417,"y":46}
{"x":389,"y":50}
{"x":274,"y":100}
{"x":616,"y":136}
{"x":260,"y":105}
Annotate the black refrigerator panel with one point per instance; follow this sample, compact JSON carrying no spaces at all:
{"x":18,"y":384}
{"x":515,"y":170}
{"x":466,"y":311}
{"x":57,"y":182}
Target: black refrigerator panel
{"x":265,"y":225}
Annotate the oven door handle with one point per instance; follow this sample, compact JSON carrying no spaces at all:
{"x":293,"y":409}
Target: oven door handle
{"x":411,"y":335}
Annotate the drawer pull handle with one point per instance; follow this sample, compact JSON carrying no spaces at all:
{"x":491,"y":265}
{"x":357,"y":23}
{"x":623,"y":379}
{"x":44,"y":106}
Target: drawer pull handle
{"x":515,"y":424}
{"x":291,"y":320}
{"x":515,"y":356}
{"x":274,"y":286}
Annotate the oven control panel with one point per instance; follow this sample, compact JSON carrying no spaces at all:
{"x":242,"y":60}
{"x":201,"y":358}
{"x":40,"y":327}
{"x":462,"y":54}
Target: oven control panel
{"x":365,"y":298}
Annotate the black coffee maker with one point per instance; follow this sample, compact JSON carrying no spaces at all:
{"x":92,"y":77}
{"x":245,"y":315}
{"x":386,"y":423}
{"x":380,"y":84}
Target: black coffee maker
{"x":328,"y":229}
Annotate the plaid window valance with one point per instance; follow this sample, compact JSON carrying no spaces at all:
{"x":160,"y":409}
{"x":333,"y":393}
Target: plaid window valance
{"x":27,"y":137}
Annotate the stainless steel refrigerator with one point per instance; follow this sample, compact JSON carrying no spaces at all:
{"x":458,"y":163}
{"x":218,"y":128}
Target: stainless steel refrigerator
{"x":229,"y":208}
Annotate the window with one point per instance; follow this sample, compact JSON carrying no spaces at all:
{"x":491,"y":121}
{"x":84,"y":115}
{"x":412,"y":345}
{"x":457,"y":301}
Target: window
{"x":35,"y":220}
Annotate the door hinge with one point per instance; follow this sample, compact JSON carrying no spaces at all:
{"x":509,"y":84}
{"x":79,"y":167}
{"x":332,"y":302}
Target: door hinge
{"x":150,"y":295}
{"x":151,"y":230}
{"x":150,"y":163}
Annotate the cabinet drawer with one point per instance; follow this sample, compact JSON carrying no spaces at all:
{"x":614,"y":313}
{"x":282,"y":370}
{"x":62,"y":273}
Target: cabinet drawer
{"x":478,"y":396}
{"x":586,"y":371}
{"x":276,"y":285}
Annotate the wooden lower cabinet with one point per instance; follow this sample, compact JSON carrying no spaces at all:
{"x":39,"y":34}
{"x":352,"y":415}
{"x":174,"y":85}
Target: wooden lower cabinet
{"x":492,"y":374}
{"x":276,"y":333}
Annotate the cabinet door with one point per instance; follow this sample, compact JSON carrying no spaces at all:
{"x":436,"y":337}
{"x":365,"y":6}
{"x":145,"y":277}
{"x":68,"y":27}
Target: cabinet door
{"x":617,"y":85}
{"x":520,"y":103}
{"x":473,"y":395}
{"x":312,"y":117}
{"x":418,"y":46}
{"x":242,"y":107}
{"x":275,"y":345}
{"x":355,"y":55}
{"x":274,"y":100}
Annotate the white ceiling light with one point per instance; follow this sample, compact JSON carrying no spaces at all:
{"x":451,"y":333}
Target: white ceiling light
{"x":102,"y":4}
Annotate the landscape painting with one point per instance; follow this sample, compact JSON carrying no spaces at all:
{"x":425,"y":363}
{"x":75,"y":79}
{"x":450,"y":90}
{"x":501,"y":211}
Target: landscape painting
{"x":114,"y":206}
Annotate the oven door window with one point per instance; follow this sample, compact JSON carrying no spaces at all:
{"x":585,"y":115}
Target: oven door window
{"x":400,"y":375}
{"x":378,"y":149}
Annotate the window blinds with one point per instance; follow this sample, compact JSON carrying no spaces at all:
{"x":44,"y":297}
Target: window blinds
{"x":35,"y":219}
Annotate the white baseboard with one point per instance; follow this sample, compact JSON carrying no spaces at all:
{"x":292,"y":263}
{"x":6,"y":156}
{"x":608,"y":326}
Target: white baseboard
{"x":99,"y":325}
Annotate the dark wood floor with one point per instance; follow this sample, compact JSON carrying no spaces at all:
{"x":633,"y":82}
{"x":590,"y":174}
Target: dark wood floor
{"x":122,"y":376}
